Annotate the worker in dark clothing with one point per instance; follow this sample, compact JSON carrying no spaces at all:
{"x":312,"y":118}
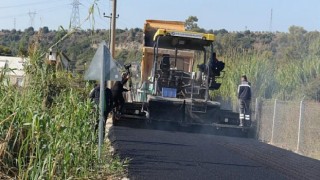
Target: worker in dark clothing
{"x":215,"y":65}
{"x":117,"y":92}
{"x":95,"y":97}
{"x":244,"y":96}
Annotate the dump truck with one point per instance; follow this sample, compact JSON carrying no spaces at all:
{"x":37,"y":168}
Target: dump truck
{"x":178,"y":71}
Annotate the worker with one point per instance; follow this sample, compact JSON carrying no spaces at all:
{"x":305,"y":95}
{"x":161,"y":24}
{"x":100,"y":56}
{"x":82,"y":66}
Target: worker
{"x":215,"y":65}
{"x":244,"y":96}
{"x":117,"y":92}
{"x":95,"y":97}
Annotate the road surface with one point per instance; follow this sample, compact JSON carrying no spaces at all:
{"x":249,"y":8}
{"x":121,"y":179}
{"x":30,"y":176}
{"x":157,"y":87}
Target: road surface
{"x":168,"y":153}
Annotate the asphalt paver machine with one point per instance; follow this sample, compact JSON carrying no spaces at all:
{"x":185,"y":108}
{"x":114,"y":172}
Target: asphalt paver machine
{"x":178,"y":71}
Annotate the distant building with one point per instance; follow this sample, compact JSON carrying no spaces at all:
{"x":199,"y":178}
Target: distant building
{"x":59,"y":59}
{"x":16,"y":73}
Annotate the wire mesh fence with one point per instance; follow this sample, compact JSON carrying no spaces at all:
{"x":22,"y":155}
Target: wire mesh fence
{"x":264,"y":118}
{"x":310,"y":133}
{"x":291,"y":125}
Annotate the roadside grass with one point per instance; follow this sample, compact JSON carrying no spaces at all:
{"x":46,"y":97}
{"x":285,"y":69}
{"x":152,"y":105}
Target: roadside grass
{"x":47,"y":127}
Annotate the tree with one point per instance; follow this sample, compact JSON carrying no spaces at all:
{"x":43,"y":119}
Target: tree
{"x":29,"y":31}
{"x":45,"y":30}
{"x":191,"y":23}
{"x":221,"y":31}
{"x":5,"y":51}
{"x":23,"y":46}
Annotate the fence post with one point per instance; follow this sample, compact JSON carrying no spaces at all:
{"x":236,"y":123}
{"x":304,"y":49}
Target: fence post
{"x":257,"y":118}
{"x":300,"y":124}
{"x":273,"y":119}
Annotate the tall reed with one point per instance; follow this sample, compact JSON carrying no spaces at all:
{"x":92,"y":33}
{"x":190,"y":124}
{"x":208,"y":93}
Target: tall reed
{"x":46,"y":127}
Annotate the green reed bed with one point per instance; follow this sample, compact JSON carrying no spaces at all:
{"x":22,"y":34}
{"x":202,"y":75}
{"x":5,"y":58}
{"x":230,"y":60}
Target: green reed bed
{"x":47,"y":127}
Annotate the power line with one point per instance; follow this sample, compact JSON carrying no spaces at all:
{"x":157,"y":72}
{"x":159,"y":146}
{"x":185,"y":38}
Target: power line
{"x":27,"y":4}
{"x":75,"y":15}
{"x":46,"y":10}
{"x":54,"y":8}
{"x":32,"y":16}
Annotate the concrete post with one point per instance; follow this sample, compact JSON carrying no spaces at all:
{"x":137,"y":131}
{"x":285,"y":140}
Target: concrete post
{"x":273,"y":120}
{"x":257,"y":119}
{"x":300,"y":125}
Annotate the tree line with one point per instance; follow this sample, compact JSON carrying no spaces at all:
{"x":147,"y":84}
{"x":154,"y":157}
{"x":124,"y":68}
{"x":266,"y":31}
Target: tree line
{"x":287,"y":62}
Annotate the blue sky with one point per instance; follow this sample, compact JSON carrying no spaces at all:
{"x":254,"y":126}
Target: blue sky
{"x":233,"y":15}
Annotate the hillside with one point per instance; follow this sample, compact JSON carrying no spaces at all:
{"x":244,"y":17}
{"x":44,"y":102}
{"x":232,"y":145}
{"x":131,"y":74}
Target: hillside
{"x":80,"y":46}
{"x":281,"y":64}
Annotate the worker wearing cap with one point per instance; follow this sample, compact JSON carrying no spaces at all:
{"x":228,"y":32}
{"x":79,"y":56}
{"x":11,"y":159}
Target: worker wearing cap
{"x":244,"y":96}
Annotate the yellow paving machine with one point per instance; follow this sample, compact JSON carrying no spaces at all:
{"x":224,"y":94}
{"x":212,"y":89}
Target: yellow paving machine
{"x":178,"y":71}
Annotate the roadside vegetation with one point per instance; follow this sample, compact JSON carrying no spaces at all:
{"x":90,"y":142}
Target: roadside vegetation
{"x":280,"y":65}
{"x":47,"y":126}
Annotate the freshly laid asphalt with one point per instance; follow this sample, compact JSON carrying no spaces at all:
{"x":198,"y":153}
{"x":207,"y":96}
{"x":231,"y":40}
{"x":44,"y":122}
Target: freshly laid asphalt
{"x":176,"y":153}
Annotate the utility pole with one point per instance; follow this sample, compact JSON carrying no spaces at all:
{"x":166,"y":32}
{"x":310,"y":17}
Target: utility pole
{"x":113,"y":33}
{"x":113,"y":28}
{"x":110,"y":17}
